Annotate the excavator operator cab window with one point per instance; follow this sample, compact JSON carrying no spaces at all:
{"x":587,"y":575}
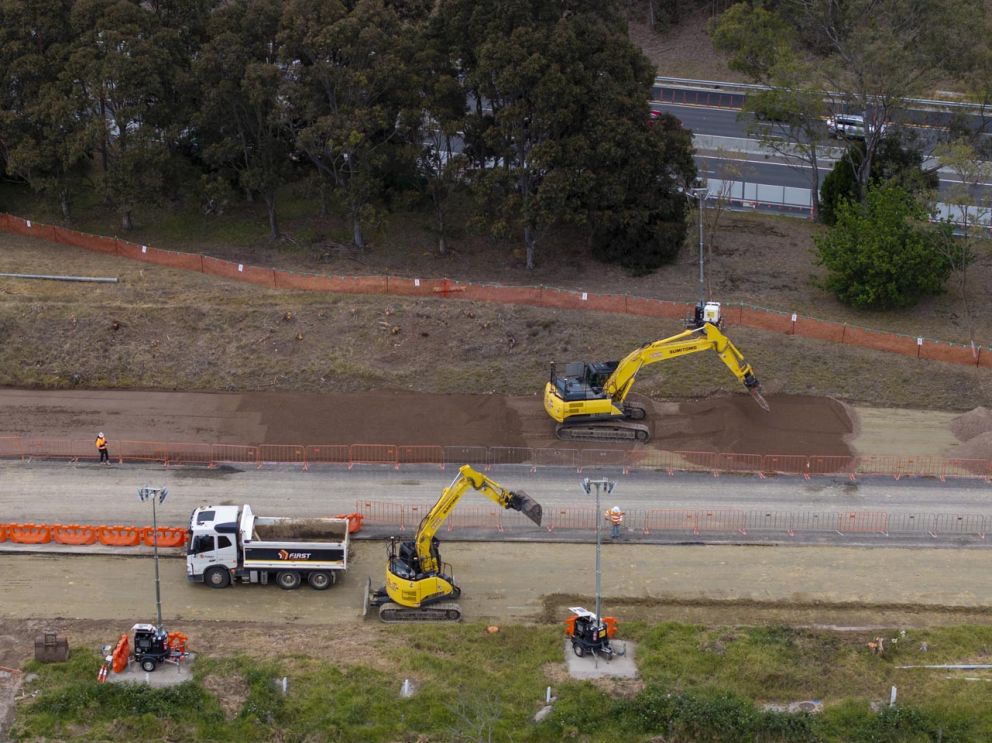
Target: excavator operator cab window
{"x":401,"y":570}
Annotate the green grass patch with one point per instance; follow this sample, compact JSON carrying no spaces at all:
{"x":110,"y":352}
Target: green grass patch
{"x":697,"y":684}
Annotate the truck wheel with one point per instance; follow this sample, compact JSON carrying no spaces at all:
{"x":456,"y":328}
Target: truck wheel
{"x":288,"y":580}
{"x":321,"y":580}
{"x":148,"y":665}
{"x":217,"y":578}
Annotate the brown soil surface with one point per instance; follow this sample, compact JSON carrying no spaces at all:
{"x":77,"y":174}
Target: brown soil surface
{"x":796,"y":424}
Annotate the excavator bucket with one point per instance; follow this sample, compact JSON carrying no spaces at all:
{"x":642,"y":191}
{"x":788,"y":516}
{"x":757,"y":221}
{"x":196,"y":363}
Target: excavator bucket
{"x":759,"y":398}
{"x":529,"y":507}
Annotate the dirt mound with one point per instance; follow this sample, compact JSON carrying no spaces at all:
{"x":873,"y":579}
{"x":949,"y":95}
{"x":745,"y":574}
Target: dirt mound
{"x":969,"y":425}
{"x":795,"y":424}
{"x":977,"y":447}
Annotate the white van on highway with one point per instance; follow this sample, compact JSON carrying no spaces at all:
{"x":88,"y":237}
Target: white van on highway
{"x":848,"y":126}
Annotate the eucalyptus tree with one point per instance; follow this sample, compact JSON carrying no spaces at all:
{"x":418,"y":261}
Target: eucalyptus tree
{"x":45,"y":136}
{"x":351,"y":95}
{"x":123,"y":61}
{"x":242,"y":119}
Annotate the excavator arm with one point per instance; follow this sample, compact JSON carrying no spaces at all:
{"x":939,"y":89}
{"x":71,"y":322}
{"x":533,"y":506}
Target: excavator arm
{"x":467,"y":478}
{"x":707,"y":337}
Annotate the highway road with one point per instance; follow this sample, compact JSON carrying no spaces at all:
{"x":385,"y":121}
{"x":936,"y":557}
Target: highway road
{"x":724,"y":122}
{"x":89,"y":493}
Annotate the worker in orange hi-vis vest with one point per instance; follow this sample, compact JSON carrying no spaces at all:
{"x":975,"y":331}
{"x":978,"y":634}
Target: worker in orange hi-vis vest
{"x":615,"y":517}
{"x":101,"y":446}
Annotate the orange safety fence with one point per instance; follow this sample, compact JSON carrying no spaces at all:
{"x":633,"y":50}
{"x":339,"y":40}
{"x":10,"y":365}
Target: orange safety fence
{"x":394,"y":455}
{"x":871,"y":522}
{"x":3,"y":532}
{"x":754,"y":317}
{"x":281,"y":453}
{"x":328,"y":454}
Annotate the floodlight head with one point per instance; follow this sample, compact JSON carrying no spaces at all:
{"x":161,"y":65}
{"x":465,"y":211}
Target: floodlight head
{"x":584,"y":482}
{"x":609,"y":486}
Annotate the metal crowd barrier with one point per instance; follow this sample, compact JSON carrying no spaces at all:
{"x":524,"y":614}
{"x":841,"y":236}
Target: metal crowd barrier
{"x":580,"y":460}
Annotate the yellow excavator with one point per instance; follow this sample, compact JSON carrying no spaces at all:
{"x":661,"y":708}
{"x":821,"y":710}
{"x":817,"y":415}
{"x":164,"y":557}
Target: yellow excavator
{"x":419,"y":586}
{"x":589,"y":401}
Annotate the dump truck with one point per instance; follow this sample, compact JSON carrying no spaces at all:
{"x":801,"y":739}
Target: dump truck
{"x":231,"y":544}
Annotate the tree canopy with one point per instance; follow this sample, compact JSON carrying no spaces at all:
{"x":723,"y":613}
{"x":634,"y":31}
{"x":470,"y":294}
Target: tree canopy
{"x":540,"y":107}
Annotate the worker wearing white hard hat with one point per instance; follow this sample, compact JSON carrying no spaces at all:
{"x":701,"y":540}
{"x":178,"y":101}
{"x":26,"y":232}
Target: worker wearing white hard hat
{"x":615,"y":517}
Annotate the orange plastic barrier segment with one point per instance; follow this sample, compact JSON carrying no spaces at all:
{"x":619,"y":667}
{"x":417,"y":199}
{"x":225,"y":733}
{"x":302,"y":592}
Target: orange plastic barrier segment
{"x":29,"y":533}
{"x":74,"y":534}
{"x":121,"y":653}
{"x":168,"y":536}
{"x":177,"y":642}
{"x":119,"y":536}
{"x":3,"y":532}
{"x":354,"y":521}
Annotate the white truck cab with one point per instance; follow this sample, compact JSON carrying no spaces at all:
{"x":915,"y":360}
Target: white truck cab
{"x":232,"y":544}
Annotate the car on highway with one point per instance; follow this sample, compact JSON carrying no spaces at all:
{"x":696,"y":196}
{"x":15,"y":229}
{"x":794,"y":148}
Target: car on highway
{"x":848,"y":126}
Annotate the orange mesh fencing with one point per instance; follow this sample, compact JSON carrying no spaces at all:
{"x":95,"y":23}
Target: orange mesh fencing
{"x":575,"y":300}
{"x":282,"y":453}
{"x":166,"y":258}
{"x":96,"y":243}
{"x":74,"y":534}
{"x":985,"y":357}
{"x":752,"y":318}
{"x":403,"y":286}
{"x":657,"y":308}
{"x":900,"y":344}
{"x":500,"y":294}
{"x":238,"y":271}
{"x":790,"y":464}
{"x":819,"y":329}
{"x":949,"y":352}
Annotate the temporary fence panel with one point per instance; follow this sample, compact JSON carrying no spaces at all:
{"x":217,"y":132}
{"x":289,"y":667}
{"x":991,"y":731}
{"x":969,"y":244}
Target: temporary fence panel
{"x":238,"y":454}
{"x":188,"y":453}
{"x":328,"y":454}
{"x":561,"y":519}
{"x":477,"y":456}
{"x":738,"y":462}
{"x":661,"y":520}
{"x":916,"y":524}
{"x":60,"y":449}
{"x":554,"y":457}
{"x":372,"y":454}
{"x":654,"y":459}
{"x":420,"y":455}
{"x":863,"y":522}
{"x":11,"y":446}
{"x":600,"y":458}
{"x":282,"y":453}
{"x":959,"y":524}
{"x":721,"y":520}
{"x":138,"y":451}
{"x":499,"y":455}
{"x":811,"y":522}
{"x":818,"y":465}
{"x":380,"y":513}
{"x":474,"y":517}
{"x":786,"y":464}
{"x":967,"y":468}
